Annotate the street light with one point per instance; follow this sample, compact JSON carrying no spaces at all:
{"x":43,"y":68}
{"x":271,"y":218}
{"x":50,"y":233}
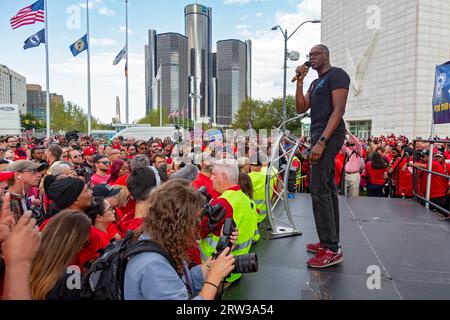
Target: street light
{"x":286,"y":38}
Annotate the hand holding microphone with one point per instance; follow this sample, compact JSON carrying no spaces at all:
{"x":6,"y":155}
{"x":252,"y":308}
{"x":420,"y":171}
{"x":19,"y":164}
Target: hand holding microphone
{"x":301,"y":71}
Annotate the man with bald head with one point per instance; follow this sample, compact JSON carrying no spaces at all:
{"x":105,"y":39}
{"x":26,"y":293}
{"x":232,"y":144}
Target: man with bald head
{"x":327,"y":98}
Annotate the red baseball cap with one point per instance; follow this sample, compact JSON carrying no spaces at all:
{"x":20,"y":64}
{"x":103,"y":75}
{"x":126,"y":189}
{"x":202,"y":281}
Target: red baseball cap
{"x":6,"y":175}
{"x":89,"y":151}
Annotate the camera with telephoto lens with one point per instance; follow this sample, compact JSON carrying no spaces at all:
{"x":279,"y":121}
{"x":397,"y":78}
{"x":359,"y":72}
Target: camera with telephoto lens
{"x":215,"y":213}
{"x":246,"y":263}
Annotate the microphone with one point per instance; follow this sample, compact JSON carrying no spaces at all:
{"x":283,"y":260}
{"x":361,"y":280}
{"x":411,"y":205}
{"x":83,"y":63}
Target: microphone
{"x":307,"y":64}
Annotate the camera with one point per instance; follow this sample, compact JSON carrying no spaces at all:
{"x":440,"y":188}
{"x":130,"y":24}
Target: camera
{"x":246,"y":263}
{"x":215,"y":213}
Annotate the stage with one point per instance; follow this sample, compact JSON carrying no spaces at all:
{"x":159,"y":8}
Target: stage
{"x":408,"y":243}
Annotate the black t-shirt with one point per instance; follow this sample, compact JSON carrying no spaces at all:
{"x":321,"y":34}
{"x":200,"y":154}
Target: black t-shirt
{"x":321,"y":99}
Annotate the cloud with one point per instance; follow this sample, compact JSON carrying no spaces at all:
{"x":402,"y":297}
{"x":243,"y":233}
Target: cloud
{"x":242,"y":2}
{"x":123,"y":29}
{"x":236,"y":1}
{"x":268,"y":47}
{"x":99,"y":7}
{"x":103,"y":42}
{"x":242,"y":26}
{"x":259,"y":14}
{"x":104,"y":11}
{"x":108,"y":81}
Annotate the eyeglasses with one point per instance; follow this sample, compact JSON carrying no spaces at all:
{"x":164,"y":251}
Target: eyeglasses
{"x":313,"y":55}
{"x":76,"y":157}
{"x":105,"y":162}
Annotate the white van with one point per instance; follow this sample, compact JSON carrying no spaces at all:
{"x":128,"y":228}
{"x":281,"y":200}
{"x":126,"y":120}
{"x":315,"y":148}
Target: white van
{"x":10,"y":120}
{"x":146,"y":132}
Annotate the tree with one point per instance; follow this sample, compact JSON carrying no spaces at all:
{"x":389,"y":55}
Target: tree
{"x":153,"y":118}
{"x":266,"y":115}
{"x":30,"y":122}
{"x":69,"y":117}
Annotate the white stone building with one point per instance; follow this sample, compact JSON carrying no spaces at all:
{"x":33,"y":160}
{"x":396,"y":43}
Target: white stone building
{"x":13,"y":88}
{"x":390,"y":50}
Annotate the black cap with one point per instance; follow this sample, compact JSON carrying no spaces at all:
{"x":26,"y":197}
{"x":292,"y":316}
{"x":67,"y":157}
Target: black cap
{"x":98,"y":157}
{"x":104,"y":190}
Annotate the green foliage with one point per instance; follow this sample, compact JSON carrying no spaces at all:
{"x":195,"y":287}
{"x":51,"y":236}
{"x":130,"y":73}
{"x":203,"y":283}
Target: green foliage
{"x":69,"y":116}
{"x":153,"y":118}
{"x":30,"y":122}
{"x":266,"y":114}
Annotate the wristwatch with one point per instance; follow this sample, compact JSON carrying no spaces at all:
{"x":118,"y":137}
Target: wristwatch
{"x":323,"y":142}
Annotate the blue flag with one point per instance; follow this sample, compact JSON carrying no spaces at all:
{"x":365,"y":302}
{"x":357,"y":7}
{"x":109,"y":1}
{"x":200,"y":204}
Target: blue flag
{"x":79,"y":46}
{"x":441,"y":96}
{"x":35,"y":40}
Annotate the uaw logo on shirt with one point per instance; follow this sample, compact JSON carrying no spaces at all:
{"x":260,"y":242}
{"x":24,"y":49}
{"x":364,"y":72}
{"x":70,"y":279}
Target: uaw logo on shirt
{"x":79,"y":45}
{"x":441,"y":80}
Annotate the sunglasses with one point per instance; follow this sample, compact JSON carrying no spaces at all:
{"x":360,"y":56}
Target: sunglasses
{"x":105,"y":162}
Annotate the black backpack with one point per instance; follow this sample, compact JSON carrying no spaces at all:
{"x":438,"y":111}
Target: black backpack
{"x":104,"y":280}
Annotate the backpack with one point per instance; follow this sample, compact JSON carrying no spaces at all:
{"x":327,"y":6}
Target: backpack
{"x":104,"y":280}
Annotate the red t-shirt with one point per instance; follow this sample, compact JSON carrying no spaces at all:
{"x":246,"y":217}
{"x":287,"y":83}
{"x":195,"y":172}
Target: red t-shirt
{"x":439,"y":185}
{"x":376,"y":176}
{"x":403,"y":179}
{"x":203,"y":180}
{"x":129,"y":223}
{"x":97,"y":179}
{"x":98,"y":239}
{"x":121,"y":181}
{"x":338,"y":166}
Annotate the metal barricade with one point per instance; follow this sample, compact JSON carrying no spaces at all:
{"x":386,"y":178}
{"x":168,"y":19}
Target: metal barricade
{"x":430,"y":173}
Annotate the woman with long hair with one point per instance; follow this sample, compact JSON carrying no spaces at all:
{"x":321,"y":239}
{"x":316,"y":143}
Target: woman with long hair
{"x":172,"y":222}
{"x":62,"y":239}
{"x":376,"y":172}
{"x":119,"y":168}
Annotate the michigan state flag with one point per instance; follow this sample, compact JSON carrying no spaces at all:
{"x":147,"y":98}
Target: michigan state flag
{"x":79,"y":46}
{"x":441,"y":96}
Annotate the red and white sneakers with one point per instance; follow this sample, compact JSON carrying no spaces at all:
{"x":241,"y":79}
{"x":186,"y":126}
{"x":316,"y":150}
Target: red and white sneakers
{"x":314,"y":247}
{"x":326,"y":258}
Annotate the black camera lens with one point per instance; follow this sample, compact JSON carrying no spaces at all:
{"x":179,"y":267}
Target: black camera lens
{"x":246,"y":263}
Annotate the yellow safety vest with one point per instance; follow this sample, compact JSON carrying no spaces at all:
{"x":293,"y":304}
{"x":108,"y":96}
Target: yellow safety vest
{"x":245,"y":217}
{"x":259,"y":193}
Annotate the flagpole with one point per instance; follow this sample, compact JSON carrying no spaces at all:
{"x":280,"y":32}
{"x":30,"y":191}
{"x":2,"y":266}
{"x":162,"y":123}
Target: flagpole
{"x":47,"y":71}
{"x":126,"y":76}
{"x":89,"y":71}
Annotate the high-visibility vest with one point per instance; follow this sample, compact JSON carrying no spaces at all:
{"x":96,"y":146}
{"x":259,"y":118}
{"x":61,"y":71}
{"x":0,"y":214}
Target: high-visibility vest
{"x":245,"y":217}
{"x":259,"y":193}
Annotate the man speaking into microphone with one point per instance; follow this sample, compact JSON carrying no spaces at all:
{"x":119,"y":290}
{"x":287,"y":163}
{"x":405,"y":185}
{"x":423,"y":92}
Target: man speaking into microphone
{"x":327,"y":98}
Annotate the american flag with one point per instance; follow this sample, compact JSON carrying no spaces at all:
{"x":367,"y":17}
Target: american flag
{"x":29,"y":15}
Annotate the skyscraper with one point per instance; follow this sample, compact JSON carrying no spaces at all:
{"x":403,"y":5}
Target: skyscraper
{"x":198,"y":30}
{"x":232,"y":82}
{"x":172,"y":58}
{"x":150,"y":71}
{"x":166,"y":71}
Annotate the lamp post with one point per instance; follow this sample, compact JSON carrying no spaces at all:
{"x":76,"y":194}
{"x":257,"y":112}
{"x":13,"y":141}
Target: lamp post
{"x":286,"y":38}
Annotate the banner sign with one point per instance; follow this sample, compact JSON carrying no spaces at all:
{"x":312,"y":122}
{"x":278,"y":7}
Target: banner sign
{"x":441,"y":95}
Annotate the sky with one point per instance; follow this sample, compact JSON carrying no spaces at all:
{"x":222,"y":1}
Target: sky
{"x":232,"y":19}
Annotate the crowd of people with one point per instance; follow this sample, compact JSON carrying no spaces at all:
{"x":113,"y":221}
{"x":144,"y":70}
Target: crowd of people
{"x":65,"y":200}
{"x":388,"y":166}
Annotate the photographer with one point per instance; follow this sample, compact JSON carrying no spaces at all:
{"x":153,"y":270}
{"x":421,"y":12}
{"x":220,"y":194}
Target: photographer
{"x":172,"y":222}
{"x":237,"y":204}
{"x":27,"y":174}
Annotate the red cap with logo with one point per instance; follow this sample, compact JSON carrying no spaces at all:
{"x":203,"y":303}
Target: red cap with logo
{"x":89,"y":151}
